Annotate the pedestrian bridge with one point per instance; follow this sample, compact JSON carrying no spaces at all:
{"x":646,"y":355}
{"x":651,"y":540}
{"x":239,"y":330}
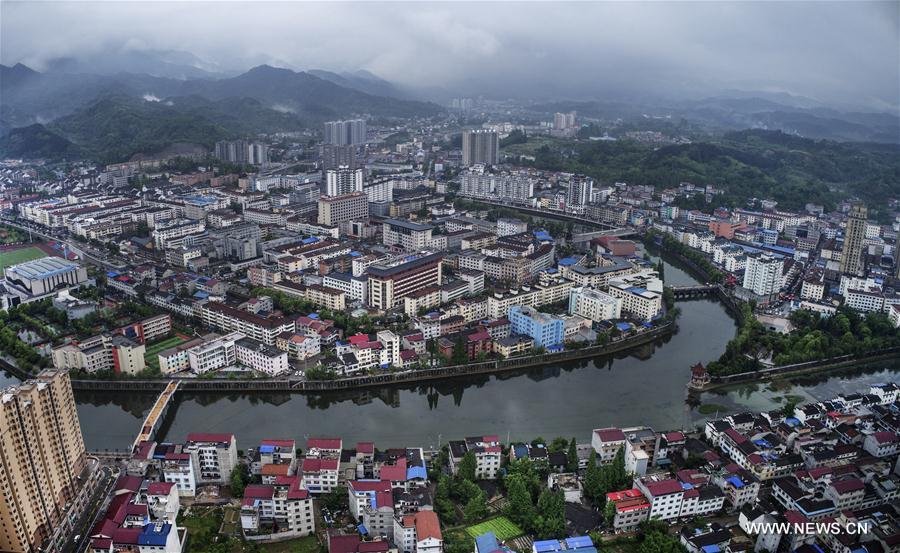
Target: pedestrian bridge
{"x":687,"y":292}
{"x":157,"y":413}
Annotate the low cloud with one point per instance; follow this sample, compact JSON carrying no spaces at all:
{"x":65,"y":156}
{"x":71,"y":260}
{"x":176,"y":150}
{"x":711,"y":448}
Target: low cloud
{"x":832,"y":51}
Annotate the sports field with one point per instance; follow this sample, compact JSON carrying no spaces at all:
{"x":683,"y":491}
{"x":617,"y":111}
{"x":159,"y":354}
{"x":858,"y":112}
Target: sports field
{"x":21,"y":255}
{"x":502,"y":527}
{"x":150,"y":353}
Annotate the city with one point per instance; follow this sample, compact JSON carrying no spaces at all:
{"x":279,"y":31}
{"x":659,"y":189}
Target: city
{"x":250,"y":305}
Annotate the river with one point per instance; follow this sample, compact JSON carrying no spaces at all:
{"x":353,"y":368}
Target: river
{"x":644,"y":387}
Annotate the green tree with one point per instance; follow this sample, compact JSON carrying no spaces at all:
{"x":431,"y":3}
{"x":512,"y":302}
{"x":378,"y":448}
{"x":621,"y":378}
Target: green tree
{"x":572,"y":456}
{"x":550,"y":522}
{"x":336,"y":499}
{"x":476,"y":508}
{"x":521,"y":506}
{"x":609,"y":513}
{"x":467,"y":467}
{"x":238,"y":481}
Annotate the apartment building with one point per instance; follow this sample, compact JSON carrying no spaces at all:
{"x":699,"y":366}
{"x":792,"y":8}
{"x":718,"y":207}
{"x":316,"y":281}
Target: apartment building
{"x":418,"y":533}
{"x":340,"y":210}
{"x":389,"y":283}
{"x":284,"y":508}
{"x":594,"y":304}
{"x":762,"y":274}
{"x":213,"y":456}
{"x":230,"y":319}
{"x":103,"y":352}
{"x":42,"y":463}
{"x":260,"y":357}
{"x":486,"y":450}
{"x":546,"y":330}
{"x":641,"y":294}
{"x":406,"y":234}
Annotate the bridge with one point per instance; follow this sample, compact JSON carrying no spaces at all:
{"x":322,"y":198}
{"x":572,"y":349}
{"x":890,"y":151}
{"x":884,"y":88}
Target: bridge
{"x":588,"y":236}
{"x":688,"y":292}
{"x":157,"y":413}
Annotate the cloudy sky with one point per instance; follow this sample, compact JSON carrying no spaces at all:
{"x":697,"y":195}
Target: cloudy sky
{"x":830,"y":51}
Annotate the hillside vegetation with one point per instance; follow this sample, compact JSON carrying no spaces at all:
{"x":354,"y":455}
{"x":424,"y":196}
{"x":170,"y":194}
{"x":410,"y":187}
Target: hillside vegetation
{"x":745,"y":164}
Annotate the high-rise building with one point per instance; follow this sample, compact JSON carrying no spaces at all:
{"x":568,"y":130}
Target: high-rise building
{"x":507,"y":187}
{"x":334,"y":156}
{"x":852,"y":262}
{"x":339,"y":210}
{"x":562,"y":121}
{"x":343,"y":180}
{"x":580,"y":190}
{"x":242,"y":152}
{"x":42,"y":458}
{"x":352,"y":131}
{"x":762,"y":274}
{"x":480,"y":146}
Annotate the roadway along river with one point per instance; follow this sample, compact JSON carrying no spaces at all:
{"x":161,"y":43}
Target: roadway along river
{"x":646,"y":387}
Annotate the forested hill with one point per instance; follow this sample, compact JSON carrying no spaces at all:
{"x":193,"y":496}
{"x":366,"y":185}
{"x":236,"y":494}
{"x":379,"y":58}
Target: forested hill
{"x":746,"y":164}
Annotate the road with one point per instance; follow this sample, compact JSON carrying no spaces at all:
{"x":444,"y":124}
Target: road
{"x":101,"y":259}
{"x":96,"y":508}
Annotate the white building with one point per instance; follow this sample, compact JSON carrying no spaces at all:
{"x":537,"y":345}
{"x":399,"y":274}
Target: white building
{"x":594,"y":304}
{"x":762,"y":275}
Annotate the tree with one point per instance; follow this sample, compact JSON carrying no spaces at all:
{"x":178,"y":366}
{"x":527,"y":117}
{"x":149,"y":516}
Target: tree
{"x":609,"y":513}
{"x":550,"y":521}
{"x":336,"y":499}
{"x":476,"y":508}
{"x":592,"y":477}
{"x":521,"y":507}
{"x":467,"y":467}
{"x":572,"y":456}
{"x":459,"y":356}
{"x":238,"y":481}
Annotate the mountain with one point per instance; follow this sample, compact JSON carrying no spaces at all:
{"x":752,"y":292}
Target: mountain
{"x":724,"y":113}
{"x":362,"y":81}
{"x":306,"y":94}
{"x":170,"y":64}
{"x":36,"y":141}
{"x":118,"y":127}
{"x":28,"y":97}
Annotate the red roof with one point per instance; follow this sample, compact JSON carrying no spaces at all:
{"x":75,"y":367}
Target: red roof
{"x":278,"y":443}
{"x":210,"y":438}
{"x":365,"y":447}
{"x":885,"y":437}
{"x":610,"y":434}
{"x":373,"y":546}
{"x":664,"y":487}
{"x":674,"y":437}
{"x":394,"y":473}
{"x":735,"y":435}
{"x":258,"y":491}
{"x":160,"y":488}
{"x":127,"y":536}
{"x":426,"y":523}
{"x":358,"y":339}
{"x":370,"y":485}
{"x":323,"y":443}
{"x":318,"y":465}
{"x":848,"y":485}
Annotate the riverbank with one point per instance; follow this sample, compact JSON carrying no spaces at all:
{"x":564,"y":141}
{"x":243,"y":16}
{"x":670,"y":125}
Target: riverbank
{"x":821,"y":366}
{"x":357,"y":382}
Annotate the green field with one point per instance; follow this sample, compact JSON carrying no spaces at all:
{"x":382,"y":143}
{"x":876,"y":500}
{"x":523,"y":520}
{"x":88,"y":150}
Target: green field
{"x":502,"y":527}
{"x":150,"y":353}
{"x":14,"y":257}
{"x":308,"y":544}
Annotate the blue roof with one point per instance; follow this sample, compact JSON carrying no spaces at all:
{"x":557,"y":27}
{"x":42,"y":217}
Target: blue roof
{"x":735,"y":481}
{"x":687,"y":486}
{"x":566,"y":261}
{"x":416,"y":472}
{"x":711,"y":549}
{"x":623,"y":326}
{"x":362,"y":530}
{"x":201,"y":294}
{"x":486,"y":543}
{"x":521,"y":450}
{"x":310,"y":240}
{"x":542,"y":235}
{"x":154,"y":534}
{"x":579,"y":541}
{"x":266,"y":448}
{"x":546,"y":545}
